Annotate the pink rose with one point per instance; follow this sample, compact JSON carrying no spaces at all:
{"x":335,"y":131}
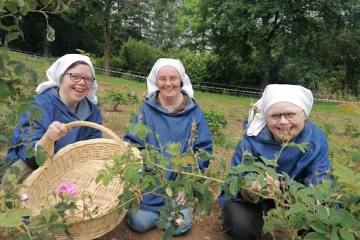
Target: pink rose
{"x":180,"y":221}
{"x":68,"y":188}
{"x":24,"y":197}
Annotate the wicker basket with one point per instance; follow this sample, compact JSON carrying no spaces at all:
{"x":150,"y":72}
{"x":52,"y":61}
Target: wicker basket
{"x":78,"y":163}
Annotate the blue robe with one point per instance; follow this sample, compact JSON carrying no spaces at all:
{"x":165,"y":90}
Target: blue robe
{"x":175,"y":128}
{"x":298,"y":165}
{"x":53,"y":110}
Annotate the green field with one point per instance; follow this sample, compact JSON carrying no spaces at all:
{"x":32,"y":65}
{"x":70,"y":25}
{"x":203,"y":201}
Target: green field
{"x":338,"y":125}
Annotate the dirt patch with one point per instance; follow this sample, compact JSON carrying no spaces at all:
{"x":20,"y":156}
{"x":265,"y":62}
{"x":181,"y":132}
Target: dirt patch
{"x":207,"y":228}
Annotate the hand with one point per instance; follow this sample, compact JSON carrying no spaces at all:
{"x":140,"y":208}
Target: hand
{"x":272,"y":187}
{"x":137,"y":193}
{"x":56,"y":131}
{"x":181,"y":198}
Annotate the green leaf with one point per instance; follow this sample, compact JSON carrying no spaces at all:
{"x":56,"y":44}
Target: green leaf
{"x":314,"y":236}
{"x":13,"y":35}
{"x":11,"y":6}
{"x":347,"y":219}
{"x":295,"y":209}
{"x":199,"y":187}
{"x":345,"y":234}
{"x":134,"y":128}
{"x":173,"y":148}
{"x":186,"y":160}
{"x":169,"y":191}
{"x":31,"y":4}
{"x":161,"y":224}
{"x":98,"y":179}
{"x":40,"y":157}
{"x":11,"y":222}
{"x":23,"y":108}
{"x":44,"y":2}
{"x":19,"y":70}
{"x":50,"y":33}
{"x":57,"y":228}
{"x":334,"y":235}
{"x":20,"y":212}
{"x":319,"y":227}
{"x":168,"y":233}
{"x":135,"y":176}
{"x":36,"y":113}
{"x":106,"y":180}
{"x":234,"y":187}
{"x":33,"y":75}
{"x":47,"y":214}
{"x":30,"y":152}
{"x":220,"y":161}
{"x":165,"y":213}
{"x":20,"y":3}
{"x":62,"y":207}
{"x":334,"y":220}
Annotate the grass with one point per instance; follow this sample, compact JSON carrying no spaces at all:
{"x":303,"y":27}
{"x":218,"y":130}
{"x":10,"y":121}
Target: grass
{"x":42,"y":64}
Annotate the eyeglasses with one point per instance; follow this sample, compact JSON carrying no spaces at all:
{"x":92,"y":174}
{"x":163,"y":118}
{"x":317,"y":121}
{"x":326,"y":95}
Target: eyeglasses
{"x":290,"y":116}
{"x":77,"y":78}
{"x":171,"y":79}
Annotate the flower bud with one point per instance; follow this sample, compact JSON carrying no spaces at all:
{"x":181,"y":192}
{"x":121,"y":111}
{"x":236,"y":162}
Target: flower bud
{"x":180,"y":222}
{"x":25,"y":197}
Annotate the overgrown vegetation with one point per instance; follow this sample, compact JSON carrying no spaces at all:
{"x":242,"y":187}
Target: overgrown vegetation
{"x":311,"y":211}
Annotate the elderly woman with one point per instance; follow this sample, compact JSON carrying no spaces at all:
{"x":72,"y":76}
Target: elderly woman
{"x":169,"y":111}
{"x":68,"y":95}
{"x":281,"y":116}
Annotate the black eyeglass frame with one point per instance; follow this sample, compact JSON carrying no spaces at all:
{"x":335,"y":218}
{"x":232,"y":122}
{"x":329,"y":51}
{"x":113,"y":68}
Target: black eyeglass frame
{"x":81,"y":77}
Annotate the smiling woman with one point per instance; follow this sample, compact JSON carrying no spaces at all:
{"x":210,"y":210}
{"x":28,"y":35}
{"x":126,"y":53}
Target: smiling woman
{"x":63,"y":98}
{"x":170,"y":112}
{"x":280,"y":116}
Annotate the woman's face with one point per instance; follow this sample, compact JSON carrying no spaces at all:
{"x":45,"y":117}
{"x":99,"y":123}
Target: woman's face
{"x":285,"y":121}
{"x":71,"y":93}
{"x":168,"y":81}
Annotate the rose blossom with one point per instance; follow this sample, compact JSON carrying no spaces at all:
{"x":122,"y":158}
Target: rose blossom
{"x":68,"y":188}
{"x":24,"y":197}
{"x":180,"y":221}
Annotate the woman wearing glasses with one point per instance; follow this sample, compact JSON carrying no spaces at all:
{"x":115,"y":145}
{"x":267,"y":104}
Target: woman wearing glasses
{"x":67,"y":95}
{"x":279,"y":116}
{"x":169,"y":111}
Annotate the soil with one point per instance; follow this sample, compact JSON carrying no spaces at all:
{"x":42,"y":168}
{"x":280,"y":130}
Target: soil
{"x":207,"y":228}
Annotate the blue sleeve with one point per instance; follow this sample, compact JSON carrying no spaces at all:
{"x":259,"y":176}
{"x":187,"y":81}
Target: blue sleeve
{"x":204,"y":140}
{"x":317,"y":171}
{"x":98,"y":119}
{"x":236,"y":160}
{"x":29,"y":134}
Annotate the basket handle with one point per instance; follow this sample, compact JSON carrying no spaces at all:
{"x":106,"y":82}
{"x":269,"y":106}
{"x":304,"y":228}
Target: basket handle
{"x":50,"y":145}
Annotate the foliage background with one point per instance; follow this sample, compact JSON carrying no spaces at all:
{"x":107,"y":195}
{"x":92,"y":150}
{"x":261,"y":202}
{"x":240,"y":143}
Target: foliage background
{"x":233,"y":43}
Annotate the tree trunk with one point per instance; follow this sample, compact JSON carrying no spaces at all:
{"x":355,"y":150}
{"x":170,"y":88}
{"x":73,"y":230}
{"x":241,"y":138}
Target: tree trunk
{"x":107,"y":37}
{"x":267,"y":66}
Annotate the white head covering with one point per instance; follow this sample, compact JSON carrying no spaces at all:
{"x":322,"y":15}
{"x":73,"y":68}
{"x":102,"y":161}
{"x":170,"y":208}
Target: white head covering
{"x":275,"y":93}
{"x":161,"y":62}
{"x":58,"y":68}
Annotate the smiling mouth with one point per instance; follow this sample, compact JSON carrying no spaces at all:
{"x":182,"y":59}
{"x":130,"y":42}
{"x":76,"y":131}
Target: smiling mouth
{"x":78,"y":90}
{"x":285,"y":130}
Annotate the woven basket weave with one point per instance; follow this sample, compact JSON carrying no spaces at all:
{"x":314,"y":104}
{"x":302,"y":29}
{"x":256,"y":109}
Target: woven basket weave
{"x":78,"y":163}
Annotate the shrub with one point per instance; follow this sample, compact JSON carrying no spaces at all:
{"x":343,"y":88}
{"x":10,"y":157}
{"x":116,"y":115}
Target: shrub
{"x":139,"y":56}
{"x":216,"y":123}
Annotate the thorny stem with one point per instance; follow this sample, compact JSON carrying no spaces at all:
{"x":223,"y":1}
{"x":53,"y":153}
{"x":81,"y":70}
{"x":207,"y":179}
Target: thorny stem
{"x":189,"y":174}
